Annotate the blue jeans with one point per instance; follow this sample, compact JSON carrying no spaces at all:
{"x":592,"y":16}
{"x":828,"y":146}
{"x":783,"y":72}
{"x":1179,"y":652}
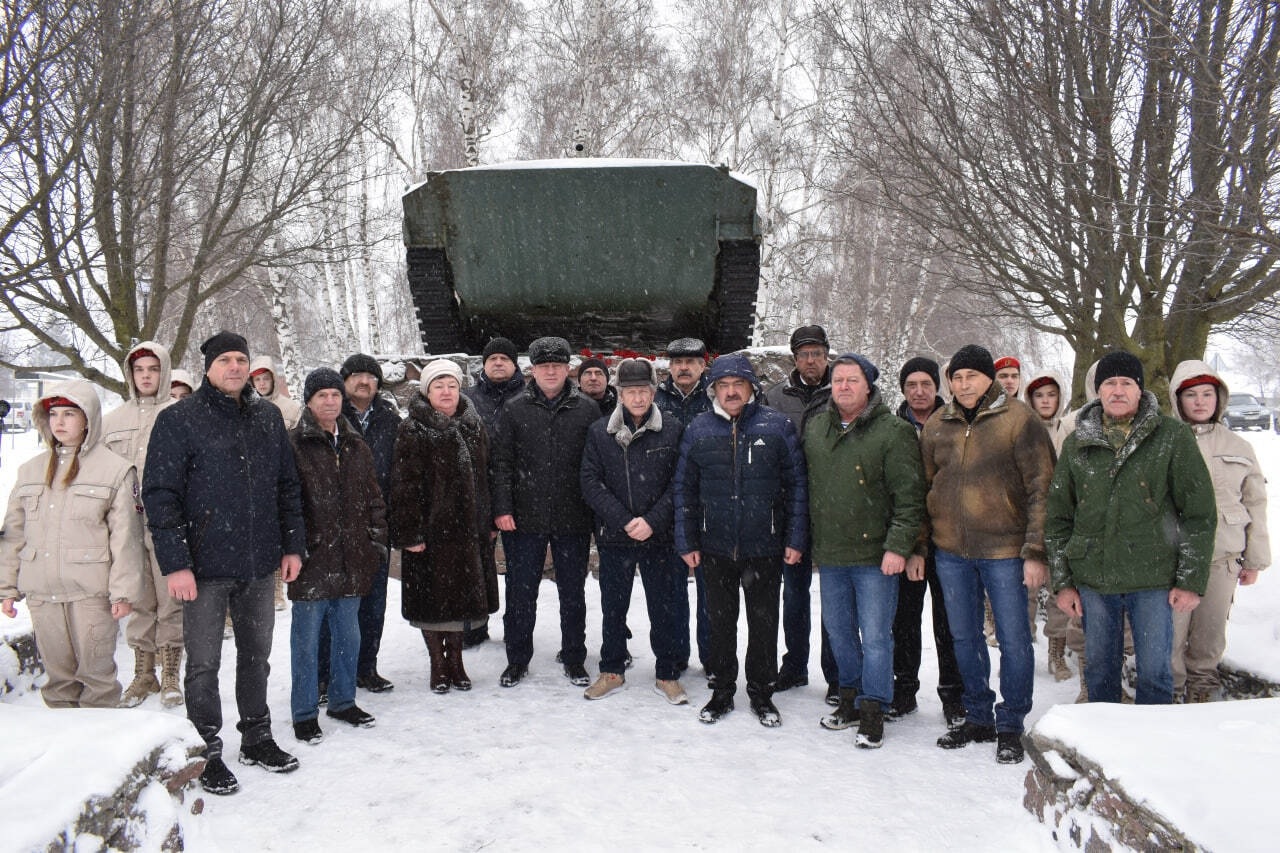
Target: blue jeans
{"x":664,"y":585}
{"x":1152,"y":621}
{"x":373,"y":612}
{"x":525,"y":554}
{"x":858,"y":606}
{"x":963,"y":581}
{"x":342,"y":617}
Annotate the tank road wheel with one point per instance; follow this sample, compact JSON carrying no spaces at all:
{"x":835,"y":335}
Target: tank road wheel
{"x":733,"y":301}
{"x":431,"y":286}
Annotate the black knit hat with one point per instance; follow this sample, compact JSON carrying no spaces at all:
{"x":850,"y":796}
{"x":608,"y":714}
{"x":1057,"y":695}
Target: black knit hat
{"x":549,"y":351}
{"x":500,"y":346}
{"x":919,"y":364}
{"x":972,"y":357}
{"x":588,"y":363}
{"x":361,"y":363}
{"x":636,"y":372}
{"x":322,"y":377}
{"x":222,"y":342}
{"x":809,"y":335}
{"x":1119,"y":363}
{"x":686,"y":348}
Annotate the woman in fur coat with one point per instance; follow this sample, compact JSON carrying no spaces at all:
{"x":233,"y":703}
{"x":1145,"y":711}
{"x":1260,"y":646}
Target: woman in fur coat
{"x":440,"y":518}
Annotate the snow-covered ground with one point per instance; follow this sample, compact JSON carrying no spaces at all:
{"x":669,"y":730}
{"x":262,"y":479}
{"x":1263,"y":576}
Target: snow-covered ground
{"x":538,"y":767}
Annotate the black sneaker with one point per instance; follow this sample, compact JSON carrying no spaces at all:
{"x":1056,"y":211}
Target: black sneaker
{"x":833,"y":694}
{"x":308,"y":731}
{"x":766,"y":712}
{"x":577,"y":674}
{"x":1009,"y":748}
{"x":787,"y":680}
{"x":721,"y":703}
{"x":374,"y":683}
{"x":967,"y":734}
{"x":268,"y":756}
{"x":355,"y":716}
{"x":954,"y":714}
{"x":513,"y":675}
{"x":217,"y":778}
{"x":870,"y":725}
{"x":901,"y":707}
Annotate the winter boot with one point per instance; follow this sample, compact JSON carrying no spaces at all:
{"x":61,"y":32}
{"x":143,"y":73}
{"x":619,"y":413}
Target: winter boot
{"x":453,"y":645}
{"x":1009,"y":748}
{"x":721,"y":703}
{"x":846,"y":713}
{"x":967,"y":734}
{"x":1083,"y":696}
{"x":766,"y":712}
{"x":1058,"y":659}
{"x":144,"y":679}
{"x":439,"y":668}
{"x":170,"y":685}
{"x":870,"y":725}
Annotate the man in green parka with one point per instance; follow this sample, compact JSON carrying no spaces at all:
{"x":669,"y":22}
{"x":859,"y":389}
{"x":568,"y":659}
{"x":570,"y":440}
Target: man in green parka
{"x":1129,"y":530}
{"x":866,"y":507}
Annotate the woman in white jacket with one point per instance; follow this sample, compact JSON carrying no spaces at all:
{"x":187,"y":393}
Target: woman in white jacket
{"x":72,"y":546}
{"x":1242,"y":547}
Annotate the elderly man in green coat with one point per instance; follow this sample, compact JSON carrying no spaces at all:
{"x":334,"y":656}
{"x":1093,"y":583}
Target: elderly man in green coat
{"x":1130,"y":527}
{"x":866,"y":507}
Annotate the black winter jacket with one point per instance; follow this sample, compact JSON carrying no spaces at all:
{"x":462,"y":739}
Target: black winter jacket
{"x":344,"y":511}
{"x":741,"y":487}
{"x":489,"y":396}
{"x":221,"y":487}
{"x":677,"y":405}
{"x":380,"y":434}
{"x":537,"y":454}
{"x":622,"y":481}
{"x":440,"y":498}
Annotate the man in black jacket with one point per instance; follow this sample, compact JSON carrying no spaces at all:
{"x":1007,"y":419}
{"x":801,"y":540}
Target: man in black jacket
{"x":805,"y":392}
{"x":919,"y":379}
{"x":537,"y":501}
{"x":224,"y":506}
{"x":627,"y":468}
{"x":498,"y":380}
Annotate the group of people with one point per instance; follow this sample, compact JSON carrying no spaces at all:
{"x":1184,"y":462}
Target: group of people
{"x":1132,"y":516}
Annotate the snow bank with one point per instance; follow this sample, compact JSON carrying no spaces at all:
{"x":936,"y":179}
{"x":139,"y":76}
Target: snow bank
{"x":1184,"y":773}
{"x":91,"y":772}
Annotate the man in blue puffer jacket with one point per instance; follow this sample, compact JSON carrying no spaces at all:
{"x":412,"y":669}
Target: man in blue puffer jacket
{"x":741,"y":503}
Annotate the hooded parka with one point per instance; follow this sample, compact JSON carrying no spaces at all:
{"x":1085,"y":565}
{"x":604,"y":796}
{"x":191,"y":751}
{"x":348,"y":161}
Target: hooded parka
{"x":126,"y":429}
{"x":290,"y":409}
{"x":65,"y":543}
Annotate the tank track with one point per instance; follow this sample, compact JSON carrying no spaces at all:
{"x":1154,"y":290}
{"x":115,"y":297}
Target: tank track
{"x":431,"y":286}
{"x":732,"y":306}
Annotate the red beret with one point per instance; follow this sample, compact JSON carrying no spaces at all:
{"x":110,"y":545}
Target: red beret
{"x":1007,"y":361}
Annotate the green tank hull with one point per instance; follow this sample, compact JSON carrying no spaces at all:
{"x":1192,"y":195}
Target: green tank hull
{"x":611,"y":254}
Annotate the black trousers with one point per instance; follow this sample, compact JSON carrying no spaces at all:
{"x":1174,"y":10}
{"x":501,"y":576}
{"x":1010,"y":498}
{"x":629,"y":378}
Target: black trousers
{"x":907,"y":638}
{"x":760,"y":579}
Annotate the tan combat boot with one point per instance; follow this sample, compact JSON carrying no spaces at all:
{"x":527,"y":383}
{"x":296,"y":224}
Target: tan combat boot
{"x":144,"y":679}
{"x":170,"y":684}
{"x":1058,"y":659}
{"x":1083,"y":696}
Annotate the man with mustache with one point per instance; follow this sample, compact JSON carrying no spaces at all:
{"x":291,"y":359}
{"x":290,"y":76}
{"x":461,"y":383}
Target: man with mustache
{"x":741,"y":502}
